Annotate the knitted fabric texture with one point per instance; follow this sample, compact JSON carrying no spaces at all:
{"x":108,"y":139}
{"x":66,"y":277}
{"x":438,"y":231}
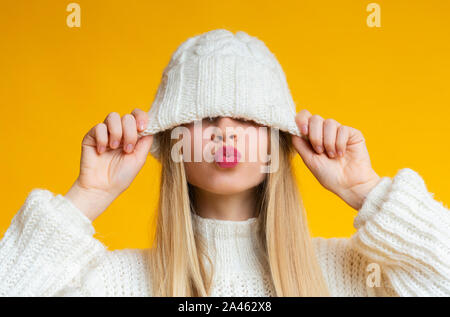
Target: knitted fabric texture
{"x":219,"y":73}
{"x":49,"y":250}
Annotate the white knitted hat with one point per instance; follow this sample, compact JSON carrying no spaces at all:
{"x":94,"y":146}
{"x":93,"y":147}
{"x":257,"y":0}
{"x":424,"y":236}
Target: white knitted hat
{"x":219,"y":73}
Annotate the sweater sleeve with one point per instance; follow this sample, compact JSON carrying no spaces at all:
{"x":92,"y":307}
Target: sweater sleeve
{"x":406,"y":232}
{"x":48,"y":249}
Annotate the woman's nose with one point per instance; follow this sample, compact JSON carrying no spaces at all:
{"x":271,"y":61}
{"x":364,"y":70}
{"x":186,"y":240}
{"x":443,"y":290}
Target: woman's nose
{"x":224,"y":136}
{"x":224,"y":130}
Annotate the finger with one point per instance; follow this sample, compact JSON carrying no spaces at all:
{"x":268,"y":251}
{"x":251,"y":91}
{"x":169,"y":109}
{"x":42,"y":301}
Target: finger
{"x":341,"y":140}
{"x":114,"y":126}
{"x":329,"y":136}
{"x":303,"y":147}
{"x":143,"y":146}
{"x":316,"y":133}
{"x":89,"y":138}
{"x":141,"y":118}
{"x":302,"y":120}
{"x":129,"y":132}
{"x":101,"y":137}
{"x":355,"y":136}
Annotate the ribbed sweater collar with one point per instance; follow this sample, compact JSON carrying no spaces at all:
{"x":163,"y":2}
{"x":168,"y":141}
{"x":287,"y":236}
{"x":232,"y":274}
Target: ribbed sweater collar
{"x":233,"y":245}
{"x":225,"y":229}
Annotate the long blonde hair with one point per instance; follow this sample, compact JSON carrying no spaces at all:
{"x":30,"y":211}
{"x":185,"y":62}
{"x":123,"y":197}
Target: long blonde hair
{"x":176,"y":262}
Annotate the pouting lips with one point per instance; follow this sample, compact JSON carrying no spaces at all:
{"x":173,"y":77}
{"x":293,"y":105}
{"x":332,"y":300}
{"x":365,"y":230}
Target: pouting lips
{"x":227,"y":154}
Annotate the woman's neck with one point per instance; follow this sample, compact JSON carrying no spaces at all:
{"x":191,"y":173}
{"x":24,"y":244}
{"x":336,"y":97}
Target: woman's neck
{"x":236,"y":206}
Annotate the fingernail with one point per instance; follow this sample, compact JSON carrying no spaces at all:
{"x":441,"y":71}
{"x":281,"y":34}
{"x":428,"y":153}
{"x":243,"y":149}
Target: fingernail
{"x":115,"y":144}
{"x":128,"y":148}
{"x":101,"y":149}
{"x":331,"y":154}
{"x":304,"y":129}
{"x":141,"y":125}
{"x":340,"y":153}
{"x":319,"y":149}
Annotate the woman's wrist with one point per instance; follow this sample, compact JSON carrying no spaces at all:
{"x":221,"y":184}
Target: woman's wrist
{"x":356,"y":195}
{"x":91,"y":202}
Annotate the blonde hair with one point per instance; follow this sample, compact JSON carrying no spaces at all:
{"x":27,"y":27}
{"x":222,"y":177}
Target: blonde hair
{"x":176,"y":262}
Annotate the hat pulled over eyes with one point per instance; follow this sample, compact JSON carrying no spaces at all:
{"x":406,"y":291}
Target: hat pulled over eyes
{"x":219,"y":73}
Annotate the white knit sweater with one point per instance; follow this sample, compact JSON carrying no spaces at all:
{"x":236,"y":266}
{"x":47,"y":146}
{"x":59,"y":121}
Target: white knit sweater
{"x":49,"y":250}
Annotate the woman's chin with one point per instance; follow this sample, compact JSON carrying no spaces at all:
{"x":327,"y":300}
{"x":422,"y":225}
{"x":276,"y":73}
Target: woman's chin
{"x":227,"y":186}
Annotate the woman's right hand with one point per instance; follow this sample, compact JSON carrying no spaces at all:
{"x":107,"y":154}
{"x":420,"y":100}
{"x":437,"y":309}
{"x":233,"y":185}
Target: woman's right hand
{"x":112,"y":155}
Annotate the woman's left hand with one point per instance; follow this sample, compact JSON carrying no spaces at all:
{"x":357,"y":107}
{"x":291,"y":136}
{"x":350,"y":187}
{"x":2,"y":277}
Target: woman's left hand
{"x":337,"y":156}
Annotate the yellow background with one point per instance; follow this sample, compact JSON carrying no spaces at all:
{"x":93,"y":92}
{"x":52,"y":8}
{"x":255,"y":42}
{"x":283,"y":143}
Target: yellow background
{"x":392,"y":83}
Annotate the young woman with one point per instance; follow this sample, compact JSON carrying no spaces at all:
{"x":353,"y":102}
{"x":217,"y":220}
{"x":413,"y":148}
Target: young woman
{"x":229,"y":226}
